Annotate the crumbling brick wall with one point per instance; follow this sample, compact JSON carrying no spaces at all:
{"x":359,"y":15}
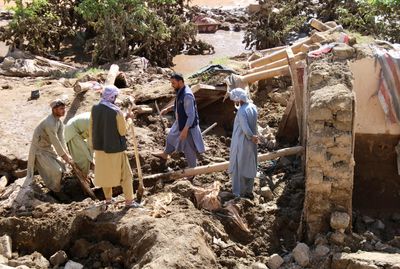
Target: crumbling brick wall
{"x":329,"y":145}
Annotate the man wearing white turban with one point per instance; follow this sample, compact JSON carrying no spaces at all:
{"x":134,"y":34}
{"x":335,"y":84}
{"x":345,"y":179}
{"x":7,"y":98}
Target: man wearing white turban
{"x":243,"y":151}
{"x":107,"y":133}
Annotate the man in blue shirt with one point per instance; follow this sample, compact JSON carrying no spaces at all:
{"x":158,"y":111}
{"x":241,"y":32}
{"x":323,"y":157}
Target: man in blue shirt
{"x":185,"y":134}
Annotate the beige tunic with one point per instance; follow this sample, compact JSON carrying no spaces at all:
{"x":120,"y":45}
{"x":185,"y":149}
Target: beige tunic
{"x":76,"y":132}
{"x":47,"y":137}
{"x":111,"y":169}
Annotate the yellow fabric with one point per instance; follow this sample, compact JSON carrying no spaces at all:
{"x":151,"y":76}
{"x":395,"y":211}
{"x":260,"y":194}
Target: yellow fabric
{"x":47,"y":137}
{"x":107,"y":193}
{"x":113,"y":169}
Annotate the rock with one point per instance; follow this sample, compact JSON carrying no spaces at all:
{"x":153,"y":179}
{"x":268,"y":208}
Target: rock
{"x":321,"y":250}
{"x":58,"y":258}
{"x":301,"y":254}
{"x":365,"y":260}
{"x":396,"y":217}
{"x":337,"y":238}
{"x":258,"y":265}
{"x":237,"y":28}
{"x":3,"y":260}
{"x":343,"y":52}
{"x":367,"y":220}
{"x":6,"y":246}
{"x":35,"y":260}
{"x":275,"y":261}
{"x":73,"y":265}
{"x":267,"y":193}
{"x":3,"y":183}
{"x":240,"y":252}
{"x":226,"y":26}
{"x":3,"y":266}
{"x":340,"y":221}
{"x":320,"y":240}
{"x":81,"y":248}
{"x":93,"y":212}
{"x":379,"y":225}
{"x":183,"y":187}
{"x":395,"y":242}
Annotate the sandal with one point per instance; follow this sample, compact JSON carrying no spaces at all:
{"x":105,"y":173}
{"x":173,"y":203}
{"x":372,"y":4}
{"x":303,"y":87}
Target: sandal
{"x":132,"y":204}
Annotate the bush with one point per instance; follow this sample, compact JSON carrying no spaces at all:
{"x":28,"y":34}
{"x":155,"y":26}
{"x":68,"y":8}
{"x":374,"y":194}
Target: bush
{"x":112,"y":29}
{"x":277,"y":20}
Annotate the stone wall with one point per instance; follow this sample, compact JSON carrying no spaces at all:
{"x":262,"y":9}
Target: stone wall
{"x":329,"y":147}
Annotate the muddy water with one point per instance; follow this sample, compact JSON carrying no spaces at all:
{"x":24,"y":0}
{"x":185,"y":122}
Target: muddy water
{"x":226,"y":44}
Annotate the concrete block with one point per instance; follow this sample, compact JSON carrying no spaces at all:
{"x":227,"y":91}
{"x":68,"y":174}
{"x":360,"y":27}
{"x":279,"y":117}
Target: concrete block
{"x":345,"y":139}
{"x":343,"y":126}
{"x":343,"y":52}
{"x":344,"y":116}
{"x":320,"y":114}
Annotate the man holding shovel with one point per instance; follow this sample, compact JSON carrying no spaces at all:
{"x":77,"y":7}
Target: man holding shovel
{"x":47,"y":144}
{"x":107,"y":134}
{"x":185,"y":134}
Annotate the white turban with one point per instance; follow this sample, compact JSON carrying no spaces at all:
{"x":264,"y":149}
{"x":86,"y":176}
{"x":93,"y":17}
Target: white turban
{"x":238,"y":94}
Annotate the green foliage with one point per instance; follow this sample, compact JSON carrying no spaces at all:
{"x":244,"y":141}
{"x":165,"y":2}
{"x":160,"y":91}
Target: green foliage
{"x":278,"y":19}
{"x":41,"y":25}
{"x":111,"y":29}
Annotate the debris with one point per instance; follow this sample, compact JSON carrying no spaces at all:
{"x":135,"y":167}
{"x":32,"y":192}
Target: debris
{"x":209,"y":128}
{"x":58,"y":258}
{"x":267,"y":193}
{"x":81,"y":248}
{"x":258,"y":265}
{"x":274,"y":261}
{"x":3,"y":183}
{"x":34,"y":260}
{"x":235,"y":215}
{"x":213,"y":69}
{"x":6,"y":246}
{"x":337,"y":238}
{"x":35,"y":94}
{"x":73,"y":265}
{"x":379,"y":225}
{"x":206,"y":24}
{"x":343,"y":52}
{"x":218,"y":167}
{"x":3,"y":260}
{"x":208,"y":198}
{"x":301,"y":253}
{"x":367,"y":220}
{"x":340,"y":221}
{"x":365,"y":260}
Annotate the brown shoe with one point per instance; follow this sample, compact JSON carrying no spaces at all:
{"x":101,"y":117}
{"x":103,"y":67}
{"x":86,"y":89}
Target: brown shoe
{"x":161,"y":155}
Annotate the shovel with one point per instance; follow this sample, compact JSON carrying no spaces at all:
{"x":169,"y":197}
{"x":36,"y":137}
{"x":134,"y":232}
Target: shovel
{"x":139,"y":194}
{"x":84,"y":181}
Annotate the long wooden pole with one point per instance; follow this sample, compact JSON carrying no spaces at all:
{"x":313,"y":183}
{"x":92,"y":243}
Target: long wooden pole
{"x":274,"y":72}
{"x":219,"y":167}
{"x":283,"y":62}
{"x":139,"y":194}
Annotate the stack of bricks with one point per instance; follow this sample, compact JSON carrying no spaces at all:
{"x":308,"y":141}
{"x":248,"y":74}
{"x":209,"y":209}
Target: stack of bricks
{"x":329,"y":144}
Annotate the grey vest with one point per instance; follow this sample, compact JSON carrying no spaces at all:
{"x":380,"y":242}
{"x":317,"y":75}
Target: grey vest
{"x":105,"y":131}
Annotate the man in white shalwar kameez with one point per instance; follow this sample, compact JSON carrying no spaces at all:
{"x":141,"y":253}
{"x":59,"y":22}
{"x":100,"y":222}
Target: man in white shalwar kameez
{"x":243,"y":151}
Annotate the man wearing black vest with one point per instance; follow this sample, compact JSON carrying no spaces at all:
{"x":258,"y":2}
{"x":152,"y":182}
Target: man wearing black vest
{"x":107,"y":133}
{"x":185,"y":134}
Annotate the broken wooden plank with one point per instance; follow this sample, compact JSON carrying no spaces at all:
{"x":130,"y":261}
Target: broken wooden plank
{"x":112,"y":74}
{"x":281,"y":54}
{"x":283,"y":62}
{"x":319,"y":25}
{"x":288,"y":129}
{"x":274,"y":72}
{"x":296,"y":89}
{"x":219,"y":167}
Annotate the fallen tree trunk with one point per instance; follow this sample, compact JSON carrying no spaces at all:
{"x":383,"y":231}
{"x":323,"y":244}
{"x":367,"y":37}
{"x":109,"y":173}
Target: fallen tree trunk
{"x":219,"y":167}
